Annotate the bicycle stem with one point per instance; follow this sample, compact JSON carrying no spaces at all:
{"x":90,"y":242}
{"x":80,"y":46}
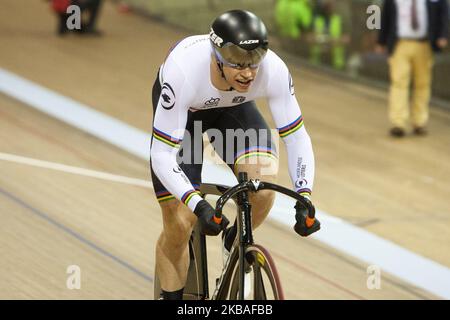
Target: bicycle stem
{"x":255,"y":186}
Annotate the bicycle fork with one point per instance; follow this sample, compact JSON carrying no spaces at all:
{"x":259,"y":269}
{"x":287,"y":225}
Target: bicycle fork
{"x":245,"y":233}
{"x":245,"y":238}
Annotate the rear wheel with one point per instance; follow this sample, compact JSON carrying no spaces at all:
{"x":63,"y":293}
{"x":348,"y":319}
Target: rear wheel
{"x":261,"y":279}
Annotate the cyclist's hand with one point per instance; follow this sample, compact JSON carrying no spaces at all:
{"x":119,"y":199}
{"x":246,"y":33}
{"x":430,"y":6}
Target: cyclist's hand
{"x":302,"y":227}
{"x":205,"y":213}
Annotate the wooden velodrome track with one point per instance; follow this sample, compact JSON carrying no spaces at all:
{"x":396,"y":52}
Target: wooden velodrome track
{"x":397,"y":189}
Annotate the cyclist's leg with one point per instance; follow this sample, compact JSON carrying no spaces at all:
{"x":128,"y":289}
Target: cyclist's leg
{"x":251,"y":150}
{"x":261,"y":201}
{"x":172,"y":253}
{"x":172,"y":250}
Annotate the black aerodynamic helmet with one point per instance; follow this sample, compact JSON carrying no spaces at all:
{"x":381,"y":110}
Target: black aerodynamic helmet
{"x":239,"y":38}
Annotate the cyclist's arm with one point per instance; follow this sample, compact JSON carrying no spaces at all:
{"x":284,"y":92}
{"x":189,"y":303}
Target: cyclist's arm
{"x":168,"y":131}
{"x":290,"y":124}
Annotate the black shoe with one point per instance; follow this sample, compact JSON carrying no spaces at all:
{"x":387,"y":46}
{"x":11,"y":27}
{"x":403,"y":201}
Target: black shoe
{"x":397,"y":132}
{"x":420,"y":131}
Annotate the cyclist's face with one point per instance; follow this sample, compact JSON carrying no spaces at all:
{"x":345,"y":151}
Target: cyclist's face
{"x":240,"y":79}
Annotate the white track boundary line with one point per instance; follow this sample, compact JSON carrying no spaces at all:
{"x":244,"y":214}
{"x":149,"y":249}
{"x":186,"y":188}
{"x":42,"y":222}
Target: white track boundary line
{"x":354,"y":241}
{"x":75,"y":170}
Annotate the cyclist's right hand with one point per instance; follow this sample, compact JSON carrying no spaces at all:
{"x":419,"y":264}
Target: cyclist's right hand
{"x":205,"y":214}
{"x":305,"y":226}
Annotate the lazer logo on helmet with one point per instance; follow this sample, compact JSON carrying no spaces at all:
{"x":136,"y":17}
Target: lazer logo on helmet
{"x":249,"y":41}
{"x":218,"y":41}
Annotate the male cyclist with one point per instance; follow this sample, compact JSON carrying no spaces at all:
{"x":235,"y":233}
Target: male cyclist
{"x":208,"y":83}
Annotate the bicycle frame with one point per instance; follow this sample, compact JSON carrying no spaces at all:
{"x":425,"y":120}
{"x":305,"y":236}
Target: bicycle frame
{"x":197,"y":281}
{"x":244,"y":230}
{"x":245,"y":238}
{"x":198,"y":266}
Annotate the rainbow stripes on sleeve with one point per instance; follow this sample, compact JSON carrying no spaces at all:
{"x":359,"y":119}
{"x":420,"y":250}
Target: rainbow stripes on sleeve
{"x":165,"y":138}
{"x":304,"y":192}
{"x":188,"y":196}
{"x":291,"y":128}
{"x":165,"y":195}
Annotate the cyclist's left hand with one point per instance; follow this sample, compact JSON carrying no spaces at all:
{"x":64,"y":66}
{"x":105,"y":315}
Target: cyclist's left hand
{"x":303,"y":226}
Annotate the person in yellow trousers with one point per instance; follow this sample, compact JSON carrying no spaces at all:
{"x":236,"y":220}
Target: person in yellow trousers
{"x":410,"y":31}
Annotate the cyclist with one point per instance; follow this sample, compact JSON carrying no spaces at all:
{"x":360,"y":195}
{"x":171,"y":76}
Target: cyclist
{"x":210,"y":82}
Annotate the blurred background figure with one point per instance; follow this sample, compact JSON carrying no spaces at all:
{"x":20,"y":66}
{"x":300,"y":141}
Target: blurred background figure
{"x":89,"y":11}
{"x":60,"y":7}
{"x":317,"y":28}
{"x":410,"y":31}
{"x":293,"y":17}
{"x":327,"y":32}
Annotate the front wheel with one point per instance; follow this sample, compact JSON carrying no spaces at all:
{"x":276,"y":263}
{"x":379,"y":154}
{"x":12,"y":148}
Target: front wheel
{"x":261,"y":279}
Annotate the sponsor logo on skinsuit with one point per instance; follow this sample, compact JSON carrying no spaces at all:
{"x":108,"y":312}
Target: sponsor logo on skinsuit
{"x":167,"y":96}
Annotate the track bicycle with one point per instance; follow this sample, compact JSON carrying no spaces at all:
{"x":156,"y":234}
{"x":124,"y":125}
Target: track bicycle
{"x":249,"y":272}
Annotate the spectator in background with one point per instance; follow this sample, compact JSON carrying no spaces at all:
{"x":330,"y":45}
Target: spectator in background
{"x":327,"y":33}
{"x":90,"y":8}
{"x":410,"y":31}
{"x":293,"y":16}
{"x":60,"y":7}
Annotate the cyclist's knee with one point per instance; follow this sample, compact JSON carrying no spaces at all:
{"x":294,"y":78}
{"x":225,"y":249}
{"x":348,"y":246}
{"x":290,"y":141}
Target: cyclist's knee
{"x":262,"y":202}
{"x":263,"y":197}
{"x":178,"y":223}
{"x":169,"y":207}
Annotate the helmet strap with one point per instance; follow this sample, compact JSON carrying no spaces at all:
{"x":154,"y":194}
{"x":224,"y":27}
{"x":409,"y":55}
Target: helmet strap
{"x":220,"y":66}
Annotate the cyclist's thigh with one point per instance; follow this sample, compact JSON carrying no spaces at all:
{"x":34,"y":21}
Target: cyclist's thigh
{"x":189,"y":162}
{"x":247,"y":143}
{"x":178,"y":219}
{"x":189,"y":157}
{"x":191,"y":166}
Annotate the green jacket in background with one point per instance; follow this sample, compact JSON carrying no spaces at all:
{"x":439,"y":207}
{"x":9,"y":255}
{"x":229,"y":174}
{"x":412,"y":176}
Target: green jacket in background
{"x":334,"y":29}
{"x":293,"y":15}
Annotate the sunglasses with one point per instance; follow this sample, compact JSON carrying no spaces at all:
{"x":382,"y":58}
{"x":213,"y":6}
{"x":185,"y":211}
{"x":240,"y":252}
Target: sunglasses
{"x":239,"y":66}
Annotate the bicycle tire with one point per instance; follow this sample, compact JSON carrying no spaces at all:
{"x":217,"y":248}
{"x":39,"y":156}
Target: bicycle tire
{"x":259,"y":263}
